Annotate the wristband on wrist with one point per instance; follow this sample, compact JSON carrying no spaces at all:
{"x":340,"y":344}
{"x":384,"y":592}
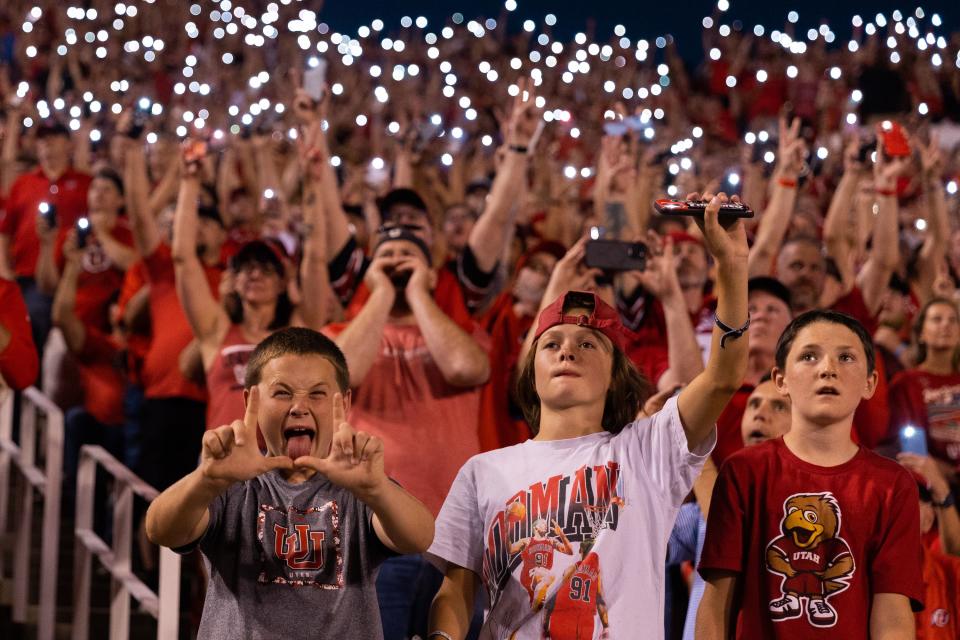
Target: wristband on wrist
{"x":517,"y":148}
{"x":730,"y":332}
{"x":947,"y":502}
{"x":887,"y":193}
{"x":787,"y":182}
{"x":443,"y":635}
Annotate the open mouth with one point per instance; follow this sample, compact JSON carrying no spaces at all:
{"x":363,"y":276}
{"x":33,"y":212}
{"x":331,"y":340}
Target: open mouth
{"x":299,"y":441}
{"x":802,"y":536}
{"x":828,"y":391}
{"x":757,"y":435}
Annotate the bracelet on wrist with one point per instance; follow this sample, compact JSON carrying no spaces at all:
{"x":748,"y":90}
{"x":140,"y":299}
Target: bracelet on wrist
{"x":787,"y":182}
{"x":439,"y":634}
{"x":730,"y":332}
{"x":887,"y":193}
{"x":946,"y":503}
{"x":518,"y":148}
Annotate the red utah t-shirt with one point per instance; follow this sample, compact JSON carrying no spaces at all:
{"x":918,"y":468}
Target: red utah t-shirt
{"x":813,"y":544}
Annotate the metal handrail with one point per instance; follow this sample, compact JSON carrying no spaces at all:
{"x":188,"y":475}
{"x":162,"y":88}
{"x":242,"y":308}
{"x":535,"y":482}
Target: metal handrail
{"x":164,"y":605}
{"x":47,"y":482}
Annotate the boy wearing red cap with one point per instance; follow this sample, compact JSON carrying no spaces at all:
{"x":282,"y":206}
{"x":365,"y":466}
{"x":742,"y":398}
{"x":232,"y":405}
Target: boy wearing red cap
{"x":611,"y":483}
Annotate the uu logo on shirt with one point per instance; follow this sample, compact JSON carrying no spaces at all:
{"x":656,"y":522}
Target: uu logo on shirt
{"x":300,"y":547}
{"x":815,"y":562}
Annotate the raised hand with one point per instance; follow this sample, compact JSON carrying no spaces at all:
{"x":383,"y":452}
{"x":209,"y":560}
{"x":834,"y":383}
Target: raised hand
{"x":230,"y":453}
{"x":791,"y":148}
{"x":355,"y":459}
{"x":660,"y":276}
{"x":887,"y":170}
{"x":423,"y":279}
{"x":728,"y":242}
{"x":524,"y":116}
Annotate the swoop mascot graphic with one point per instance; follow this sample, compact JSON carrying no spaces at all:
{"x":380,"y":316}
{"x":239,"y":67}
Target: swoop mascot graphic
{"x":813,"y":559}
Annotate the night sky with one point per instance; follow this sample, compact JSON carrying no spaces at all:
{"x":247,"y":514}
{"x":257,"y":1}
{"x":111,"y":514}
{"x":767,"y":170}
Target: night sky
{"x":641,"y":19}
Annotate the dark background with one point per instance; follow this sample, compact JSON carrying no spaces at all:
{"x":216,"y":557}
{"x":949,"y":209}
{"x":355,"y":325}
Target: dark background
{"x":642,"y":19}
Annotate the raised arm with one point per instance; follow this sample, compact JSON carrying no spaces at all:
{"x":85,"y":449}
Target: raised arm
{"x":462,"y":362}
{"x":885,"y":248}
{"x":64,"y":302}
{"x":703,"y":400}
{"x":776,"y":218}
{"x":314,"y":280}
{"x":360,"y":340}
{"x":934,"y":247}
{"x":840,"y":225}
{"x":206,"y":316}
{"x":146,"y":233}
{"x":487,"y":236}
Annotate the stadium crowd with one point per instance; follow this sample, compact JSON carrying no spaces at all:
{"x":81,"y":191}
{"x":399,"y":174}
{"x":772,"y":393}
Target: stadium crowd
{"x":179,"y":181}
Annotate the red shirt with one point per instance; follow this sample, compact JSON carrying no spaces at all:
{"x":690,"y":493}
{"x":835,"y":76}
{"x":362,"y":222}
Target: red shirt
{"x":100,"y":279}
{"x":100,"y":377}
{"x":941,"y":581}
{"x":68,"y":194}
{"x":859,"y":520}
{"x":729,"y":435}
{"x":171,"y":331}
{"x":137,"y":343}
{"x":19,"y":364}
{"x":225,"y":378}
{"x":930,"y":401}
{"x":498,"y":428}
{"x":573,"y":614}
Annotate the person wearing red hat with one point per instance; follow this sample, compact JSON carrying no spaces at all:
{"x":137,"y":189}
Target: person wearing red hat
{"x":612,"y":483}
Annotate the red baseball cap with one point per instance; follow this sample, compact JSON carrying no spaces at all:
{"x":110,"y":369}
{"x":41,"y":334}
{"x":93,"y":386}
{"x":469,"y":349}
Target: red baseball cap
{"x":679,"y":237}
{"x":602,"y":318}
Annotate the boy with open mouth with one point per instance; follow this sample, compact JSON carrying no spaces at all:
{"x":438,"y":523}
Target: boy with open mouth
{"x":293,"y":539}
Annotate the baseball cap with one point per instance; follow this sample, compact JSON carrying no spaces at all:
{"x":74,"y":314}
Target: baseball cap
{"x":390,"y":233}
{"x":259,"y":252}
{"x":679,"y":237}
{"x":770,"y":285}
{"x":402,"y":196}
{"x":602,"y":317}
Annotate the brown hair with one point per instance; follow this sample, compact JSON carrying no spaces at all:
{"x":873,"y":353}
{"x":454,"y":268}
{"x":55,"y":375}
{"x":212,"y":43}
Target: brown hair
{"x":626,"y":394}
{"x":918,"y":329}
{"x":298,"y":341}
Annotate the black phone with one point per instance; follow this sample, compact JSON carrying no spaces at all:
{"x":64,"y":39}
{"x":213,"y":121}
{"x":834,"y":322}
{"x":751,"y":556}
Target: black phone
{"x":868,"y":146}
{"x":141,"y":113}
{"x":616,"y":255}
{"x":697,"y":207}
{"x":49,"y":213}
{"x":83,"y":232}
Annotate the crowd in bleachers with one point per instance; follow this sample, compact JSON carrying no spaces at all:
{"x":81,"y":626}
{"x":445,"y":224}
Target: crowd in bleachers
{"x":180,"y":181}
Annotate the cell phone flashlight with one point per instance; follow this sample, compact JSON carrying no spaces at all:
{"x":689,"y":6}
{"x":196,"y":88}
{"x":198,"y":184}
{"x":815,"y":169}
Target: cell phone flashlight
{"x":314,"y":78}
{"x":83,"y":232}
{"x":141,"y":113}
{"x":48,"y":212}
{"x":913,"y":440}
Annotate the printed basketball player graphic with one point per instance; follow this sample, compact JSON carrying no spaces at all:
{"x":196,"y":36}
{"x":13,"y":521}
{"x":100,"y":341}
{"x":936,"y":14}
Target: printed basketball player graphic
{"x":537,"y":552}
{"x":815,"y":562}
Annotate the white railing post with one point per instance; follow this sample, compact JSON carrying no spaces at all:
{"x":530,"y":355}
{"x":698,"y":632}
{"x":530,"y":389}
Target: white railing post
{"x":163,"y":605}
{"x":6,"y":435}
{"x":47,"y":482}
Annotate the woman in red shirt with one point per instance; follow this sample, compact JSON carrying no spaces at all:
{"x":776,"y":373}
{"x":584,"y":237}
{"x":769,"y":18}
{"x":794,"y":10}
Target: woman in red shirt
{"x":928,"y":395}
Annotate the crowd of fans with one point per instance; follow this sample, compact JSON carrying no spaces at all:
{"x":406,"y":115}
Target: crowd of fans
{"x":180,"y":180}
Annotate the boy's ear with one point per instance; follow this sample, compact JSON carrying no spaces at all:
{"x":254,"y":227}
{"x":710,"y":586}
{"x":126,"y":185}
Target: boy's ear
{"x":777,"y":376}
{"x":347,"y":397}
{"x":872,"y":380}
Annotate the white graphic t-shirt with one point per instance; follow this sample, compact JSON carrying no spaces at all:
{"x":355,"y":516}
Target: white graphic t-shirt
{"x":569,"y":536}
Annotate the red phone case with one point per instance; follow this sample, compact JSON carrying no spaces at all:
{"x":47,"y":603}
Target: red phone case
{"x":894,"y":140}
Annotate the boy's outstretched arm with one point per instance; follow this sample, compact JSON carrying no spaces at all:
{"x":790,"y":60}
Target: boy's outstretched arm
{"x":714,"y":616}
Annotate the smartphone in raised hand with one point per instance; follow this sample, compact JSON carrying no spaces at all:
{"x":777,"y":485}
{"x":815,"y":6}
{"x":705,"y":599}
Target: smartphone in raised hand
{"x":667,"y":207}
{"x":315,"y":78}
{"x":913,"y":440}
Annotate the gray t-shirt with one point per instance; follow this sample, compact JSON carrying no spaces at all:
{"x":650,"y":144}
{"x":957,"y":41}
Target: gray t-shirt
{"x":290,"y":561}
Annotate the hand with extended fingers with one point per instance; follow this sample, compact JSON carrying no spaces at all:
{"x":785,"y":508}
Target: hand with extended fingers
{"x":355,"y":460}
{"x":230,"y":453}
